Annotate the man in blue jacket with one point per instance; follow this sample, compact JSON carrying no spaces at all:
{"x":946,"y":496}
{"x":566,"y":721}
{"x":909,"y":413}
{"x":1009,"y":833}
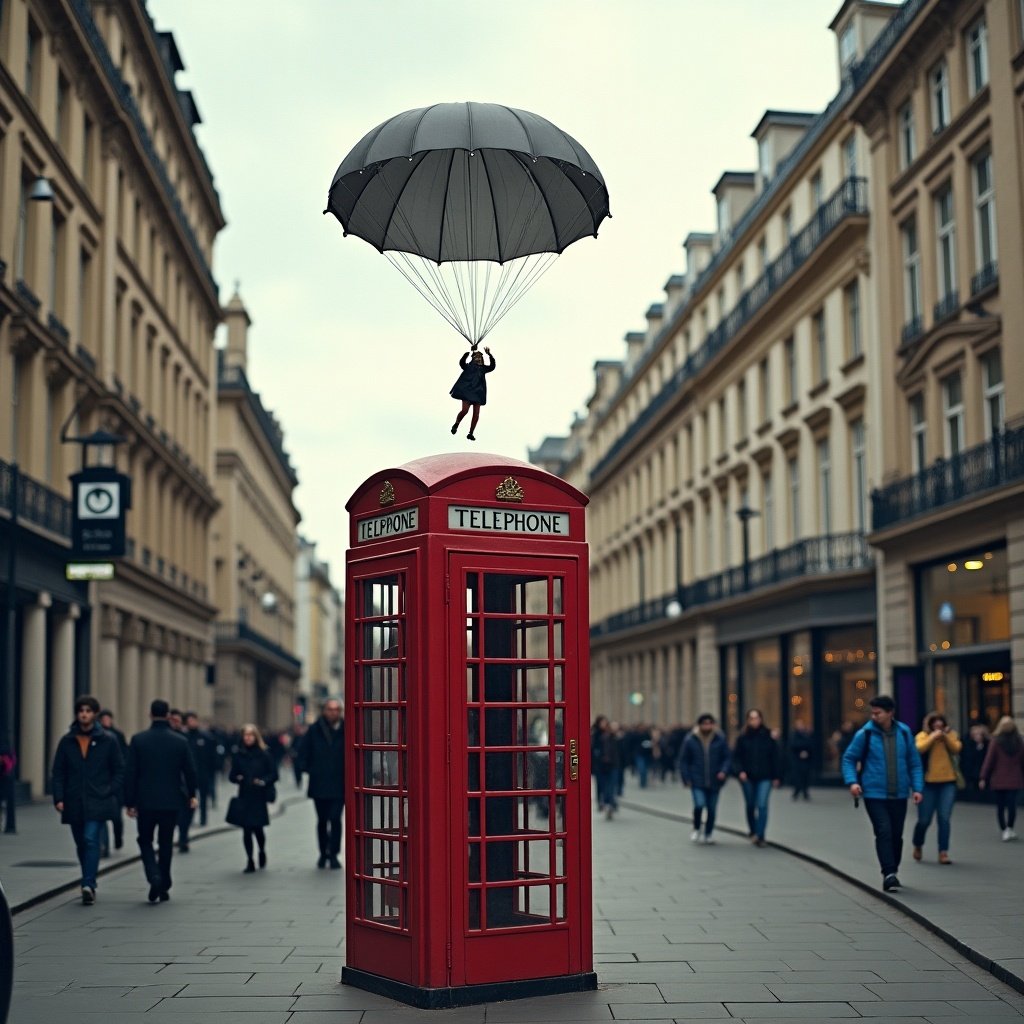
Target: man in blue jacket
{"x":704,"y":765}
{"x":889,"y":771}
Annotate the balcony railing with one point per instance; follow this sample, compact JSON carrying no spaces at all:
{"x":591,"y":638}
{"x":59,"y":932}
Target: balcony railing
{"x":26,"y":295}
{"x":912,"y":330}
{"x":57,"y":329}
{"x":994,"y":463}
{"x":850,"y":199}
{"x":235,"y":632}
{"x":815,"y":556}
{"x":987,"y":277}
{"x":946,"y":307}
{"x":37,"y":503}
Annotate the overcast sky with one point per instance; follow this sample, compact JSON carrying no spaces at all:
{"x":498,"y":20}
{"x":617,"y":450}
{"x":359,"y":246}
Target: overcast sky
{"x":662,"y":93}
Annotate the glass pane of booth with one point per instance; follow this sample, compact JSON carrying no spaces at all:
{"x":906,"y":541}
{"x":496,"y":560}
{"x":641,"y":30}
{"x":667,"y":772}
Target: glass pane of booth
{"x":515,"y":668}
{"x":378,"y":721}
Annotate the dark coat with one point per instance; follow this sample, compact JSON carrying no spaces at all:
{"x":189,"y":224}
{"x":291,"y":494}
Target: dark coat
{"x":322,"y":758}
{"x":605,"y":752}
{"x":161,"y":775}
{"x":758,"y":755}
{"x":700,"y":765}
{"x":246,"y":767}
{"x":1004,"y":766}
{"x":89,"y":787}
{"x":972,"y":757}
{"x":204,"y":753}
{"x":472,"y":383}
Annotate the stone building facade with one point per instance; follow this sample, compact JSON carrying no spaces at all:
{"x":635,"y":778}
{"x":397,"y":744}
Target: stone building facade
{"x":320,"y":631}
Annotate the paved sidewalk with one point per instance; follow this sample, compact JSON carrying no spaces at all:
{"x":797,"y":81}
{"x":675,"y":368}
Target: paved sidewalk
{"x":978,"y":899}
{"x":682,"y":933}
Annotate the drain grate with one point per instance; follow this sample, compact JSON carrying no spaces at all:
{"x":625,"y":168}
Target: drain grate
{"x":46,"y":864}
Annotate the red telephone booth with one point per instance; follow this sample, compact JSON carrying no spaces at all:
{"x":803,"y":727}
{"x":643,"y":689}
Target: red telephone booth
{"x":467,"y":705}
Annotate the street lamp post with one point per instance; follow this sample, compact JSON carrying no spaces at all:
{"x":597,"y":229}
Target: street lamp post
{"x":745,"y":513}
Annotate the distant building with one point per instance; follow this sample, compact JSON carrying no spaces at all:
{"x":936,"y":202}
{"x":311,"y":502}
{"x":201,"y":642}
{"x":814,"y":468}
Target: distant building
{"x":107,"y":314}
{"x":320,"y":630}
{"x":254,"y":546}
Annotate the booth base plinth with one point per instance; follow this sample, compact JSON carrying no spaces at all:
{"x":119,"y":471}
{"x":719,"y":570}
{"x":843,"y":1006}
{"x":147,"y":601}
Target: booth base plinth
{"x":467,"y":995}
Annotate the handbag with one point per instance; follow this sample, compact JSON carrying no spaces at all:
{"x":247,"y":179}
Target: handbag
{"x":236,"y":813}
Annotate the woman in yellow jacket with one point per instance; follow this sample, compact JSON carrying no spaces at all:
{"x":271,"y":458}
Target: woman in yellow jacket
{"x":938,"y":746}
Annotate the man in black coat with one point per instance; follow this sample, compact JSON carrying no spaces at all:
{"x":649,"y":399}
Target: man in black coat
{"x":322,"y":758}
{"x":88,"y":773}
{"x":204,"y":752}
{"x":160,"y":781}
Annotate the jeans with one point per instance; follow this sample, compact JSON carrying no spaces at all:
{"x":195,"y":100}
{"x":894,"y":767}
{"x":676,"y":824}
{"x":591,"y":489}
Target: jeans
{"x":607,"y":789}
{"x":328,"y":826}
{"x":937,"y":796}
{"x":887,"y":818}
{"x":1006,"y":807}
{"x":157,"y":866}
{"x":641,"y":764}
{"x":755,"y":796}
{"x":87,"y":843}
{"x":705,"y":800}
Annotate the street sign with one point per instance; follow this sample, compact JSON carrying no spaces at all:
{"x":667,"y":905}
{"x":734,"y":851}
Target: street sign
{"x":101,"y":497}
{"x":78,"y":571}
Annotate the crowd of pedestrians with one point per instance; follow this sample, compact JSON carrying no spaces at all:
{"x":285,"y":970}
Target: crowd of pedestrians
{"x":883,"y":762}
{"x":168,"y":772}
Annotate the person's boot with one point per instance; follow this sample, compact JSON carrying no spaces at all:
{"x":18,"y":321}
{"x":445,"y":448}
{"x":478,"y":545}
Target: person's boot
{"x":249,"y":867}
{"x":263,"y":858}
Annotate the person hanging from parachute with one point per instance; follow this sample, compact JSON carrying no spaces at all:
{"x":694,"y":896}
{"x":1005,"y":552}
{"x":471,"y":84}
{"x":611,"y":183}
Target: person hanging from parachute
{"x":471,"y":203}
{"x":471,"y":387}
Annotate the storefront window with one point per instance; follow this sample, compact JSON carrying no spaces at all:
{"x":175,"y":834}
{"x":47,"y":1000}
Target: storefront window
{"x":761,"y":683}
{"x":849,"y":679}
{"x":801,"y":680}
{"x":731,"y":680}
{"x":964,"y":602}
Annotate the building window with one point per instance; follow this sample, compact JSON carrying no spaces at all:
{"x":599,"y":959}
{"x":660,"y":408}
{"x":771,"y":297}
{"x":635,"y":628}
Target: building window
{"x":789,"y":348}
{"x":787,"y":224}
{"x":61,"y":111}
{"x":723,"y":217}
{"x":946,"y":241}
{"x":84,"y":298}
{"x":720,"y":297}
{"x":825,"y":491}
{"x":56,"y":264}
{"x":33,"y":49}
{"x":984,"y":212}
{"x":850,"y":156}
{"x":762,"y":251}
{"x":992,"y":383}
{"x":820,"y":345}
{"x":21,"y":242}
{"x":768,"y":505}
{"x":764,"y":161}
{"x":741,"y":279}
{"x":911,"y":271}
{"x":977,"y":57}
{"x":858,"y":451}
{"x":817,"y":190}
{"x":726,"y":531}
{"x":847,"y":46}
{"x":741,"y":402}
{"x":765,"y":387}
{"x":723,"y":427}
{"x":793,"y":470}
{"x":908,"y":137}
{"x":938,"y":87}
{"x":851,"y":303}
{"x":953,"y":412}
{"x":87,"y":147}
{"x":918,"y":433}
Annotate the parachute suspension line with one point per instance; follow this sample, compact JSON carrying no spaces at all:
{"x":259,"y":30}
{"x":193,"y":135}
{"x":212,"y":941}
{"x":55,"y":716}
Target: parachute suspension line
{"x":402,"y":262}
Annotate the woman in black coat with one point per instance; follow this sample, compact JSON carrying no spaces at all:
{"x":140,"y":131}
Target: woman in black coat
{"x":757,"y":761}
{"x":252,"y":769}
{"x":471,"y":387}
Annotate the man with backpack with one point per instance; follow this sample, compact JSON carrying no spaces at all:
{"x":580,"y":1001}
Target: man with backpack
{"x":882,"y":765}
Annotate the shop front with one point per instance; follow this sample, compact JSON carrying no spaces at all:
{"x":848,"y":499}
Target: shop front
{"x":817,"y":674}
{"x":963,"y":631}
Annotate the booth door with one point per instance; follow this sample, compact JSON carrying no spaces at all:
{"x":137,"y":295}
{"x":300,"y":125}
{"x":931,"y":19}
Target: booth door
{"x":377,"y":837}
{"x":514,"y":704}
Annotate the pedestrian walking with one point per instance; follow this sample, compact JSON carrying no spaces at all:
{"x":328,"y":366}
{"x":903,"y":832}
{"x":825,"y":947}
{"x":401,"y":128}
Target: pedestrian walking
{"x":882,"y":765}
{"x":972,"y":755}
{"x":88,"y":774}
{"x":1003,"y":773}
{"x":757,"y":761}
{"x":801,"y":748}
{"x":322,"y":758}
{"x":204,"y":753}
{"x":107,"y":722}
{"x":605,"y":758}
{"x":160,"y":780}
{"x":704,"y":764}
{"x":254,"y":772}
{"x":939,"y":747}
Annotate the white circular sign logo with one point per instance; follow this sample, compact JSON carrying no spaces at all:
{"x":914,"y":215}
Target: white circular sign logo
{"x":99,"y":500}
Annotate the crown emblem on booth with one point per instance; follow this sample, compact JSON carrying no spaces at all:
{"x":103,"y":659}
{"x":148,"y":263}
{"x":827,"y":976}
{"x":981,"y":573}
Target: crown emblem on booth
{"x":387,"y":494}
{"x":509,"y":490}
